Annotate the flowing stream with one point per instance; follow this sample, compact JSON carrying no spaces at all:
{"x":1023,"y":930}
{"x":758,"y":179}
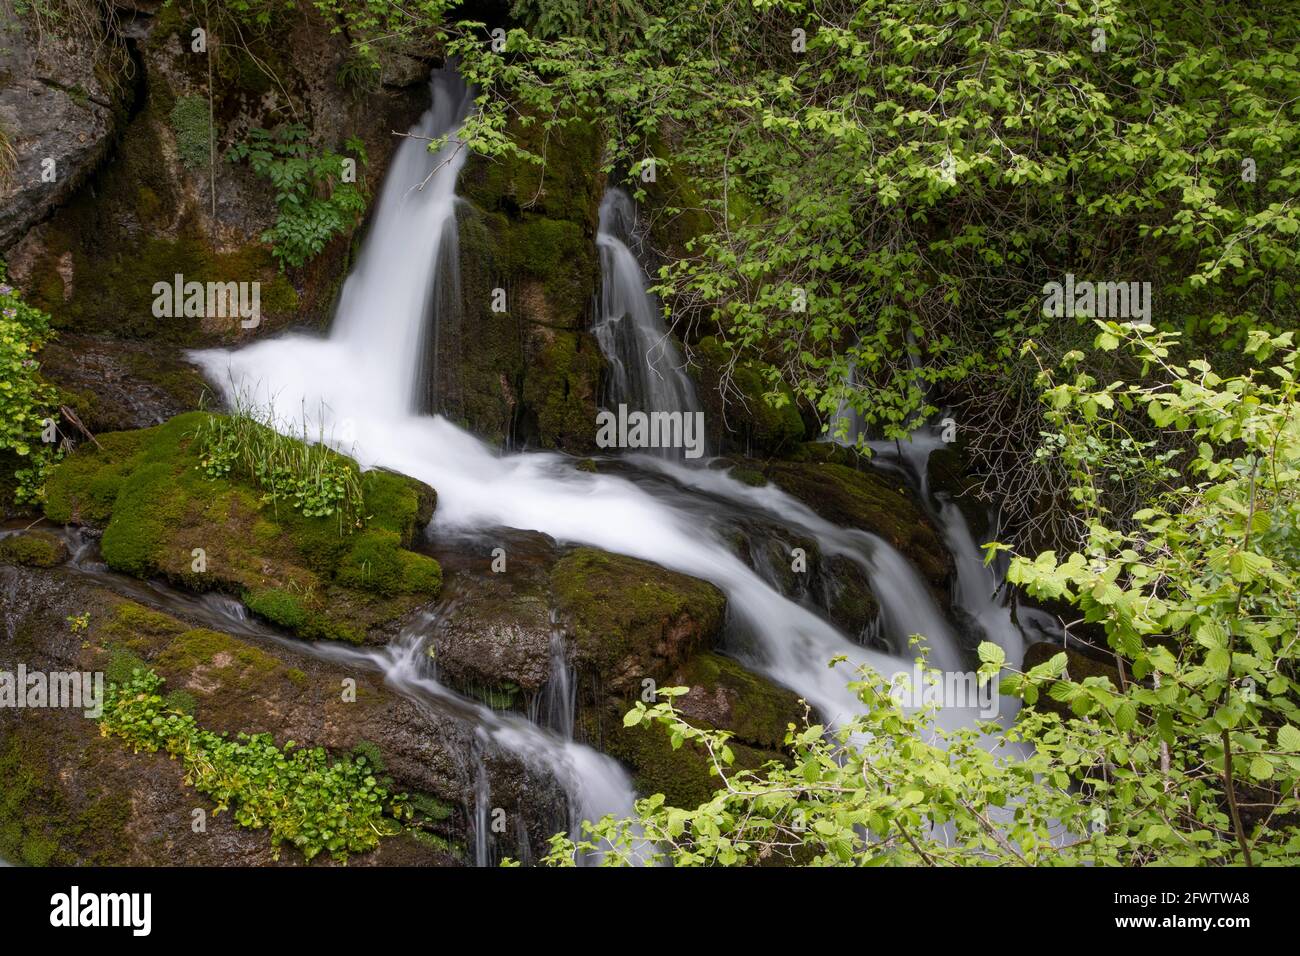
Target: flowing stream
{"x":364,"y":380}
{"x":647,"y":371}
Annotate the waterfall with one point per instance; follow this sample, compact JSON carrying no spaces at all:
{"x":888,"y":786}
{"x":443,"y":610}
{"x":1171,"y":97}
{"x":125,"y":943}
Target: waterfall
{"x":647,"y":371}
{"x":363,"y":376}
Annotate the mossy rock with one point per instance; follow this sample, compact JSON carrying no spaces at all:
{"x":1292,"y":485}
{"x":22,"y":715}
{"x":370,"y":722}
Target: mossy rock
{"x":737,"y":414}
{"x":862,"y":499}
{"x":528,"y":375}
{"x":563,"y":187}
{"x":39,"y":824}
{"x":560,"y":391}
{"x":36,"y":549}
{"x":726,"y":696}
{"x":156,"y":506}
{"x":631,"y":620}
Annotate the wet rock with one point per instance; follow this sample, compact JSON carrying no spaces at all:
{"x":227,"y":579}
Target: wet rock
{"x":880,"y":504}
{"x":114,"y":385}
{"x":73,"y":797}
{"x":62,"y":98}
{"x":737,"y":416}
{"x":631,"y":620}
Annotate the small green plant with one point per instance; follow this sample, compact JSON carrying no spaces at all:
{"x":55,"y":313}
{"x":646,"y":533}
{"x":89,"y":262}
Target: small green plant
{"x":360,"y":74}
{"x":78,"y":622}
{"x":27,"y":402}
{"x":314,"y":198}
{"x":307,"y":475}
{"x":300,"y":794}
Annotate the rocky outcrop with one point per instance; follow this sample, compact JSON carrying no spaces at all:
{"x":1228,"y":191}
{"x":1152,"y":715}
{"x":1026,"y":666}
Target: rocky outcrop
{"x":63,"y":96}
{"x":525,"y":371}
{"x":150,"y":213}
{"x":74,"y":797}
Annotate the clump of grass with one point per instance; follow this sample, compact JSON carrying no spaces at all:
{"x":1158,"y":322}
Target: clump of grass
{"x":8,"y":158}
{"x":283,"y":462}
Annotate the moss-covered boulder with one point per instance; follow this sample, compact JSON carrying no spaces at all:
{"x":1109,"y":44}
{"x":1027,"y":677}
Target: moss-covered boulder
{"x":36,"y":549}
{"x":631,"y":620}
{"x":162,"y":515}
{"x":737,"y":415}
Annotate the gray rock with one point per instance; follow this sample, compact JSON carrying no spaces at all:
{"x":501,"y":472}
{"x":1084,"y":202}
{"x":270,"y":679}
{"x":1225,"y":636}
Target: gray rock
{"x":61,"y":100}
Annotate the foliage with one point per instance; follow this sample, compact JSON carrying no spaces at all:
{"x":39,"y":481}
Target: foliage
{"x":1193,"y":759}
{"x":611,"y":21}
{"x":375,"y":25}
{"x":306,"y":475}
{"x":26,"y":401}
{"x":189,"y":119}
{"x":877,"y":215}
{"x":301,"y":795}
{"x":314,"y":202}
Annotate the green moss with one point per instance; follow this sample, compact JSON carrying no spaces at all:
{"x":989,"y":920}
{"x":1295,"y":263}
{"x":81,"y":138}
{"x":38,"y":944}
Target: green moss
{"x":39,"y":826}
{"x":279,"y":607}
{"x":561,"y":391}
{"x":122,"y":664}
{"x":131,"y":621}
{"x":564,"y":187}
{"x":182,"y":700}
{"x":190,"y":126}
{"x":376,"y":562}
{"x":37,"y":549}
{"x":240,"y":664}
{"x":758,"y":712}
{"x":397,"y":503}
{"x":305,"y":574}
{"x":622,"y":608}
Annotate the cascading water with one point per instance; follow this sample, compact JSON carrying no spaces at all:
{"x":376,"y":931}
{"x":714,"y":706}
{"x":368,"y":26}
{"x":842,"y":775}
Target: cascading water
{"x":365,"y":374}
{"x":647,"y":371}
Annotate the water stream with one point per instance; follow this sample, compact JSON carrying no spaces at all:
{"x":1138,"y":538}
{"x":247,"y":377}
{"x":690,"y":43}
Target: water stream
{"x":647,"y":371}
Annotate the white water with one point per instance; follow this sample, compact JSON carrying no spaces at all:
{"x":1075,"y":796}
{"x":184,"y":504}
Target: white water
{"x":362,"y":380}
{"x":647,"y":371}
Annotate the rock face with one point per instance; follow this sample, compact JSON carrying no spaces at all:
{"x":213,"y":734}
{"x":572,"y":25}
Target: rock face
{"x":74,"y":797}
{"x":737,"y":416}
{"x":526,"y":371}
{"x":149,"y":213}
{"x":62,"y":99}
